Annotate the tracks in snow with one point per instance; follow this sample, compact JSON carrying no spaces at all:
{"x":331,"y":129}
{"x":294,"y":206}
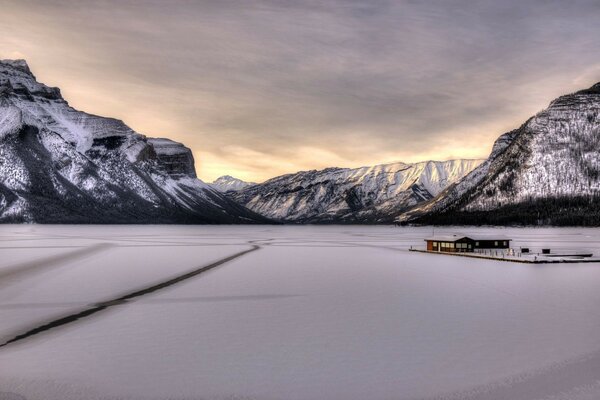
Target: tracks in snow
{"x":104,"y":305}
{"x":12,"y":272}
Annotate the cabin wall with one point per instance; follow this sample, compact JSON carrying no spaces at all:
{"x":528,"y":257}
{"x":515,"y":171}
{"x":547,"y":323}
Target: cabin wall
{"x":466,"y":245}
{"x":460,"y":246}
{"x":492,"y":244}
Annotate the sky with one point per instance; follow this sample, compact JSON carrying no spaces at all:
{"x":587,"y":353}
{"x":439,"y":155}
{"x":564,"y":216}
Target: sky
{"x":261,"y":88}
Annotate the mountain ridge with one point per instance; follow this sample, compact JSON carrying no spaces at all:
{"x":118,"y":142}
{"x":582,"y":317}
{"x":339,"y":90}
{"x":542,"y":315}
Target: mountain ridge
{"x":227,"y":183}
{"x":545,"y":172}
{"x":351,"y":195}
{"x":61,"y":165}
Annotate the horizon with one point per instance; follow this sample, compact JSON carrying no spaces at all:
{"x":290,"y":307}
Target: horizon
{"x":359,"y":167}
{"x":228,"y":175}
{"x":262,"y":89}
{"x":345,"y":132}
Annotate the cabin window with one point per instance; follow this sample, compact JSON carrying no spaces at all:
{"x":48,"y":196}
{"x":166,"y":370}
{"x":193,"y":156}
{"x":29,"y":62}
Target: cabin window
{"x":505,"y":244}
{"x":451,"y":245}
{"x":470,"y":246}
{"x":495,"y":244}
{"x":476,"y":243}
{"x":434,"y":244}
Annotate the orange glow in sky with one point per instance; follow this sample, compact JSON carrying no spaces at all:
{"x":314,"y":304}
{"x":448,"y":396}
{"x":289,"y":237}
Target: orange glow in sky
{"x":258,"y":89}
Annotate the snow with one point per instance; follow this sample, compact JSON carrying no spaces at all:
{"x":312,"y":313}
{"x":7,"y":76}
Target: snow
{"x":385,"y":189}
{"x":11,"y":121}
{"x":167,"y":146}
{"x":337,"y":312}
{"x":99,"y":157}
{"x":226,"y":183}
{"x":554,"y":154}
{"x":181,"y":187}
{"x":17,"y":64}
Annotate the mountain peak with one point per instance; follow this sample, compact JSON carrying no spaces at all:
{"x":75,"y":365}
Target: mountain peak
{"x":225,"y":178}
{"x":545,"y":172}
{"x":16,"y":79}
{"x":62,"y":165}
{"x":227,"y":183}
{"x":366,"y":194}
{"x":594,"y":89}
{"x":19,"y":64}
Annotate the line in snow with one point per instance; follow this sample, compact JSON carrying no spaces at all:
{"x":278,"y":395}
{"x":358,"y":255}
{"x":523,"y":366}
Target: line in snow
{"x":124,"y":298}
{"x":7,"y":274}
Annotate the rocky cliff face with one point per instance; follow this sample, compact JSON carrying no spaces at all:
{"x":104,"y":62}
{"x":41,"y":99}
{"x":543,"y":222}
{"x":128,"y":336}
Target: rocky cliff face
{"x":369,"y":194}
{"x":177,"y":159}
{"x":545,"y":172}
{"x":60,"y":165}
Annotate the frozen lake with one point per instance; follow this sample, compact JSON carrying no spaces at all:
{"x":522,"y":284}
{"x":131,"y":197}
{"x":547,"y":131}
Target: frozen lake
{"x":299,"y":313}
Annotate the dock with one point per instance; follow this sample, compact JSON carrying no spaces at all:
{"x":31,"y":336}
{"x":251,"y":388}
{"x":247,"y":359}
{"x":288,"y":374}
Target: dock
{"x":524,"y":259}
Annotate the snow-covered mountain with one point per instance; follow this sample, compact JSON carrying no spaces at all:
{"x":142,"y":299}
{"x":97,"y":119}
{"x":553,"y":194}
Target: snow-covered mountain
{"x":60,"y":165}
{"x":545,"y":172}
{"x":228,"y":183}
{"x":367,"y":194}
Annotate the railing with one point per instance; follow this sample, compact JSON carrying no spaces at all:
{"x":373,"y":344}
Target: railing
{"x":510,"y":252}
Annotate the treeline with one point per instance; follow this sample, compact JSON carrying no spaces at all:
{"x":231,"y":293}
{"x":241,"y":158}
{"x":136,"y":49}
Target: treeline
{"x":558,"y":211}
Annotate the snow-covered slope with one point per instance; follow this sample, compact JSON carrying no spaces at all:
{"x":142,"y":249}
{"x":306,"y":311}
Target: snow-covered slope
{"x":546,"y":171}
{"x":367,"y":194}
{"x":228,"y":183}
{"x":59,"y":165}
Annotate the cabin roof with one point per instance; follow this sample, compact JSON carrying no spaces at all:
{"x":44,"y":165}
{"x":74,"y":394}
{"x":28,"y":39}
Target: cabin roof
{"x":447,"y":238}
{"x":489,"y":237}
{"x":455,"y":238}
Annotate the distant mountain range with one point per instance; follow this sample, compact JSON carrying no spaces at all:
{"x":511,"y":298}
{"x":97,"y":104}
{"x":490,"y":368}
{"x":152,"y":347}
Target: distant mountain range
{"x":545,"y":172}
{"x":228,"y":183}
{"x":60,"y":165}
{"x":351,"y":195}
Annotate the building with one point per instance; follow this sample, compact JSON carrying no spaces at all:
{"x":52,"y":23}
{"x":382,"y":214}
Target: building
{"x":496,"y":242}
{"x":465,"y":244}
{"x":452,"y":244}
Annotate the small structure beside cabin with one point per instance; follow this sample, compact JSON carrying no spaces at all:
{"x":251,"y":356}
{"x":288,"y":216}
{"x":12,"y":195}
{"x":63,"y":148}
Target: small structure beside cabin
{"x":465,"y":244}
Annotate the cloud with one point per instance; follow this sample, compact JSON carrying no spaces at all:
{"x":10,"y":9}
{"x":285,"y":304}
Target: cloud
{"x":354,"y":82}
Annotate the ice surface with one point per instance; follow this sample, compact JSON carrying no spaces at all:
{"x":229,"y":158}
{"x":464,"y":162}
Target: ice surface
{"x":315,"y":313}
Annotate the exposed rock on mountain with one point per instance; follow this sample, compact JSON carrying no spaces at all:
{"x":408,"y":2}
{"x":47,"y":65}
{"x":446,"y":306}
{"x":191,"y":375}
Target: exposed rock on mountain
{"x":177,"y":159}
{"x":368,"y":194}
{"x":545,"y":172}
{"x":228,"y":183}
{"x":60,"y":165}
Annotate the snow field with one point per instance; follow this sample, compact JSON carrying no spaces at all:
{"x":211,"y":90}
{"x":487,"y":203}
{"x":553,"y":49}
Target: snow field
{"x":337,"y":312}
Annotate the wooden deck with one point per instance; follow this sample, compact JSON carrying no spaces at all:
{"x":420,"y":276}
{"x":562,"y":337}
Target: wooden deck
{"x":529,"y":259}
